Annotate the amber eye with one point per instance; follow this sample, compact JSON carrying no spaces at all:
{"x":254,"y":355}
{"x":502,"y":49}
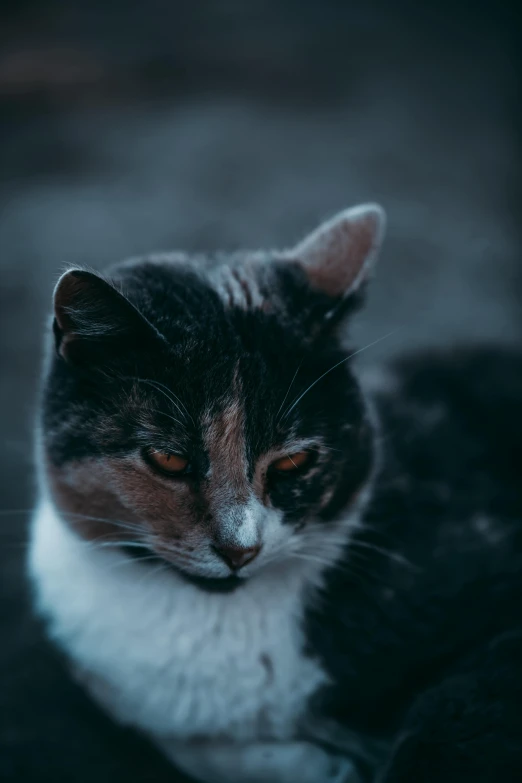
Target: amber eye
{"x":168,"y":463}
{"x":291,"y":461}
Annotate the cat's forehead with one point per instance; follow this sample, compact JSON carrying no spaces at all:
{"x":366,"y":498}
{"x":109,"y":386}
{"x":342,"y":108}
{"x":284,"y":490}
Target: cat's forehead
{"x":233,"y":348}
{"x":215,"y":400}
{"x":224,"y":316}
{"x":200,"y":289}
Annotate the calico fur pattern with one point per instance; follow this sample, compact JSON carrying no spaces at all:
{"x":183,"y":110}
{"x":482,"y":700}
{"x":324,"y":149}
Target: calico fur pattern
{"x":378,"y":635}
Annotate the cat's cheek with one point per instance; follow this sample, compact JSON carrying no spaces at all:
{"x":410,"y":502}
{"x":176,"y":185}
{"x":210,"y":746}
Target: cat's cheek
{"x":114,"y":498}
{"x":170,"y":507}
{"x":89,"y":506}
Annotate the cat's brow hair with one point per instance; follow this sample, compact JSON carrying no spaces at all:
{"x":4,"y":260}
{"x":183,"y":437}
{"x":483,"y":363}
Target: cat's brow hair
{"x":334,"y":367}
{"x":289,"y":389}
{"x":169,"y":394}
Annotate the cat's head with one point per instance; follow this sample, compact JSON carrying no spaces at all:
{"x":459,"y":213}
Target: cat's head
{"x":204,"y":408}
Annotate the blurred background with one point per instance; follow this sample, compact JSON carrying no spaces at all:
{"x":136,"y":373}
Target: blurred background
{"x":131,"y":126}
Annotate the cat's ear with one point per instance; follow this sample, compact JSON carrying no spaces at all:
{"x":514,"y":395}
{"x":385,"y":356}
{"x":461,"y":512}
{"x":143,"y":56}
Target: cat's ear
{"x":93,"y":320}
{"x":338,"y":257}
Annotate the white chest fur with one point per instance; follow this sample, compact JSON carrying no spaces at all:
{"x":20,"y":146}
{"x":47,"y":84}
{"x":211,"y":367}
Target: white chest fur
{"x":172,"y":659}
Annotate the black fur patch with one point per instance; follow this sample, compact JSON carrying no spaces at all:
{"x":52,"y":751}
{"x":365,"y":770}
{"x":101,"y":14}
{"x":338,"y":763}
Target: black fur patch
{"x":432,"y":585}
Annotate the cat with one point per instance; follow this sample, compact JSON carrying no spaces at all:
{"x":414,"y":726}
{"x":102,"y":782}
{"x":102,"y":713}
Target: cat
{"x":276,"y":574}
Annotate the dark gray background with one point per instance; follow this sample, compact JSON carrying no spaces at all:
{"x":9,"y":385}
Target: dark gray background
{"x":127,"y":127}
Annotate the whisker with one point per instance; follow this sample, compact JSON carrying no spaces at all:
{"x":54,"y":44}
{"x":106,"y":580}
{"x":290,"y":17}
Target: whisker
{"x":161,"y":567}
{"x":288,"y":390}
{"x":343,"y":567}
{"x":354,"y":572}
{"x":113,"y":544}
{"x":81,"y":517}
{"x":397,"y":558}
{"x":273,"y":558}
{"x":169,"y":394}
{"x":362,"y":565}
{"x":350,"y":543}
{"x":338,"y":364}
{"x":172,"y":549}
{"x":117,"y":523}
{"x":130,"y":560}
{"x":168,"y":415}
{"x":366,"y":527}
{"x":313,"y":558}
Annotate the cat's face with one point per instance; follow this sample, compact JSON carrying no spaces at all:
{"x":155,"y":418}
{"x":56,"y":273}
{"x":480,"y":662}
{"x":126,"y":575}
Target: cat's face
{"x":209,"y":416}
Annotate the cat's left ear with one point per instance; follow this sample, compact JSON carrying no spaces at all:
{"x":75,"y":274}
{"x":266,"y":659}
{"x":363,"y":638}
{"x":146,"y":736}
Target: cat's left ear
{"x":94,"y":322}
{"x":339,"y":256}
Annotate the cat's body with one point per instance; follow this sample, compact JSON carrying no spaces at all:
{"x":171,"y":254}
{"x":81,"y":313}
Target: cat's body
{"x":426,"y":635}
{"x":380,"y":613}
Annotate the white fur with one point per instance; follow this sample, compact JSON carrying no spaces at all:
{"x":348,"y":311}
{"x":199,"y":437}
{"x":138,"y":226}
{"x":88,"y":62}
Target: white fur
{"x":163,"y":655}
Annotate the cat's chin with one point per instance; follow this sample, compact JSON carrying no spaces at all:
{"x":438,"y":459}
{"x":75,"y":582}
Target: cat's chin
{"x":225,"y":584}
{"x":212,"y":584}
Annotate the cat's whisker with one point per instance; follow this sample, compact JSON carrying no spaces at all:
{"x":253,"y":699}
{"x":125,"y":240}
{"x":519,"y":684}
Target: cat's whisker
{"x":289,"y":388}
{"x":375,"y":530}
{"x":169,"y":391}
{"x":160,"y":568}
{"x":169,"y":394}
{"x":113,"y":544}
{"x":168,"y":415}
{"x":351,"y":543}
{"x":346,"y":568}
{"x":180,"y":555}
{"x":7,"y":512}
{"x":359,"y":576}
{"x":168,"y":548}
{"x":116,"y":523}
{"x":334,"y":367}
{"x":395,"y":556}
{"x":153,"y":556}
{"x":312,"y":558}
{"x":352,"y":570}
{"x":129,"y":561}
{"x":275,"y":557}
{"x":356,"y":560}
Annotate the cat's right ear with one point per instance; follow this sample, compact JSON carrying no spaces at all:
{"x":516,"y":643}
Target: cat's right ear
{"x":93,"y":321}
{"x":338,"y":257}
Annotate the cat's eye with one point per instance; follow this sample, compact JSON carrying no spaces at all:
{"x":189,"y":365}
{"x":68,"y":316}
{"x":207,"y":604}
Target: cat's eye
{"x":172,"y":464}
{"x":292,"y":462}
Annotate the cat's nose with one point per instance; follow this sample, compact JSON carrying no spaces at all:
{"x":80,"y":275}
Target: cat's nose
{"x":236,"y":556}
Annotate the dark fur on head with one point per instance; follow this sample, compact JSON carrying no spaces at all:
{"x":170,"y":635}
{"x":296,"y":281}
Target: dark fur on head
{"x":232,"y":362}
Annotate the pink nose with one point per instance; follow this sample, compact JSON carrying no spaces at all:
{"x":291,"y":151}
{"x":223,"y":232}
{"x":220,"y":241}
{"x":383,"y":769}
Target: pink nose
{"x":236,"y":557}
